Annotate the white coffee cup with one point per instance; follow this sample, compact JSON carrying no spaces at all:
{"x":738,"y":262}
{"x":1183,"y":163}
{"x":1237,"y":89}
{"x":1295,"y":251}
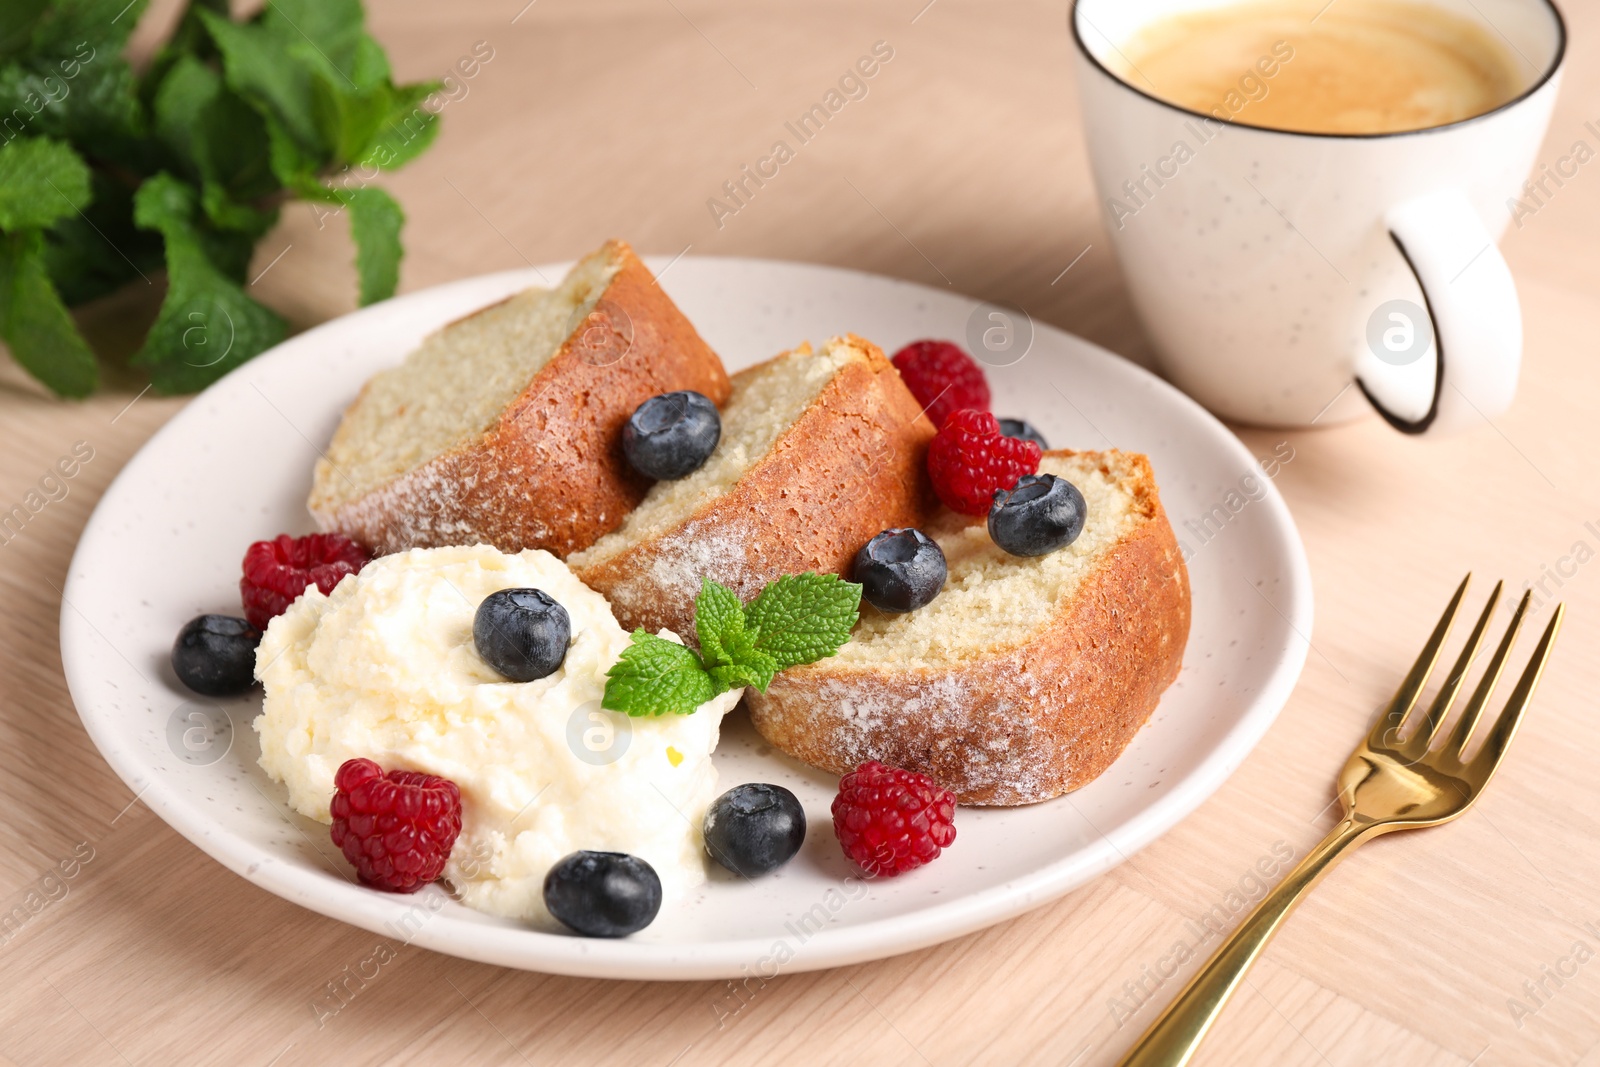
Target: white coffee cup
{"x":1283,"y":276}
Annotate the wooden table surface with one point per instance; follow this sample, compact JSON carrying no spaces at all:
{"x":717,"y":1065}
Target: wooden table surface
{"x":965,"y":162}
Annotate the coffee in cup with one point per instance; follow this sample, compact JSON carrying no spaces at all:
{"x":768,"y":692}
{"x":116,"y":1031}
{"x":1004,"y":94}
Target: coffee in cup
{"x":1304,"y":195}
{"x":1363,"y":66}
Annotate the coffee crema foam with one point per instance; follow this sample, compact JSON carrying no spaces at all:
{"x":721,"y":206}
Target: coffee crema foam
{"x":1363,"y":66}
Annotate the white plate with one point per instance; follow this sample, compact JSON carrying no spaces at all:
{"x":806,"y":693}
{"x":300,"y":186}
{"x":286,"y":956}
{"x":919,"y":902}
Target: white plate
{"x":234,"y":466}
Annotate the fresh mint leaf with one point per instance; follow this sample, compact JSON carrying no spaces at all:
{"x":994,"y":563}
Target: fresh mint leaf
{"x":207,"y":325}
{"x":310,"y":65}
{"x":352,"y":107}
{"x":293,"y":166}
{"x":84,"y":252}
{"x":797,"y":619}
{"x":189,"y":38}
{"x":655,"y":676}
{"x":737,"y":675}
{"x":103,"y":24}
{"x":226,"y":117}
{"x":17,"y":21}
{"x":375,"y":218}
{"x":226,"y":213}
{"x":332,"y":28}
{"x":718,"y":619}
{"x":348,"y":120}
{"x":229,"y":242}
{"x":219,"y":139}
{"x":727,"y":647}
{"x":801,"y":618}
{"x":375,"y":222}
{"x":407,"y":129}
{"x":41,"y":181}
{"x":87,"y":98}
{"x":35,"y":323}
{"x":263,"y":67}
{"x":369,"y":69}
{"x":181,"y":102}
{"x":752,"y":663}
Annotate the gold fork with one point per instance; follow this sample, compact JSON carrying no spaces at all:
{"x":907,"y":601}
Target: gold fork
{"x":1391,"y":782}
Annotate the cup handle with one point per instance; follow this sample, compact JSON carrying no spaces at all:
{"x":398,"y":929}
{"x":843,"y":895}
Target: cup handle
{"x":1472,"y":306}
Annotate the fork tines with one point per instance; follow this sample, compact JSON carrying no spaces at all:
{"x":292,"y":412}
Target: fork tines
{"x":1386,"y":734}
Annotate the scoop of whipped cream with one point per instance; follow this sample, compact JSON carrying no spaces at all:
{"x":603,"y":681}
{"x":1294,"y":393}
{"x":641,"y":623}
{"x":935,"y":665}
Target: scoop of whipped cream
{"x":385,"y":667}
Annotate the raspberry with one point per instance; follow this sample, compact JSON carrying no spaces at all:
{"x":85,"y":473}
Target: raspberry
{"x":970,"y":459}
{"x":891,"y":821}
{"x":397,"y":828}
{"x":943,"y":378}
{"x":278,"y":571}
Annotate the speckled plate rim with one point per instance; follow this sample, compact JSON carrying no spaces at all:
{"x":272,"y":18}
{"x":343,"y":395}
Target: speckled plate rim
{"x":629,"y":959}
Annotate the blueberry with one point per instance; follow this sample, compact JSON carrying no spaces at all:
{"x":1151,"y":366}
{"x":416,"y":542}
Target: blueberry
{"x":900,"y":570}
{"x":1043,"y":513}
{"x":670,"y":435}
{"x":755,"y":828}
{"x":216,"y":655}
{"x":603,"y":894}
{"x":522,"y":633}
{"x":1025,"y":430}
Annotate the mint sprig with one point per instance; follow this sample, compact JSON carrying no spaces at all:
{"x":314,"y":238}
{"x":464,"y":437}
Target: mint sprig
{"x":800,"y":618}
{"x":656,"y":676}
{"x":110,"y":173}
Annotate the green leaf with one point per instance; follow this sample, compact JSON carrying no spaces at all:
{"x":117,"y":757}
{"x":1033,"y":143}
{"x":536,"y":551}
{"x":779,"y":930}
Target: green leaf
{"x":727,"y":647}
{"x":311,"y":66}
{"x":333,"y":29}
{"x":352,"y":107}
{"x":407,"y":129}
{"x":796,"y":619}
{"x":180,"y":105}
{"x":226,"y":116}
{"x":375,"y":221}
{"x":189,"y":38}
{"x":88,"y":99}
{"x":262,"y":67}
{"x":348,"y":120}
{"x":40,"y":181}
{"x":718,"y":617}
{"x":211,"y":131}
{"x":229,"y":241}
{"x":801,"y":618}
{"x":17,"y":20}
{"x":226,"y":213}
{"x":207,"y":325}
{"x":736,"y":675}
{"x":92,"y":253}
{"x":655,"y":676}
{"x":747,"y":665}
{"x":103,"y":24}
{"x":369,"y":67}
{"x":73,"y":83}
{"x":293,"y":166}
{"x":35,"y":323}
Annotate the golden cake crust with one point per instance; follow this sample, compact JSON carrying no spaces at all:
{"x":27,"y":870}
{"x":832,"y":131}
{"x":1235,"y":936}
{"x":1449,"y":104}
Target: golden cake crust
{"x":1019,"y":725}
{"x":852,"y":465}
{"x":550,"y":473}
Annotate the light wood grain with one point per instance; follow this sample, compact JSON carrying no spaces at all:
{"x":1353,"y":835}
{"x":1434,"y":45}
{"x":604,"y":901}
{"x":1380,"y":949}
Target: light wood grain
{"x":964,"y":164}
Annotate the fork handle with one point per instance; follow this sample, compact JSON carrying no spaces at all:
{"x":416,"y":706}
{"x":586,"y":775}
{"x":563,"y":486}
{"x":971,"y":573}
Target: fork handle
{"x":1173,"y":1038}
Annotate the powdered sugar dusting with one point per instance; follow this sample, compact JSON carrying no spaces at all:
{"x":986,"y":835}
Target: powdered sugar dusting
{"x":1097,"y":637}
{"x":670,"y":570}
{"x":998,"y":741}
{"x":438,"y":504}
